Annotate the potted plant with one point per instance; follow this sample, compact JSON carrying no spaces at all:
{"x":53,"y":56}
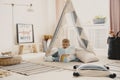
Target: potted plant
{"x":99,"y":20}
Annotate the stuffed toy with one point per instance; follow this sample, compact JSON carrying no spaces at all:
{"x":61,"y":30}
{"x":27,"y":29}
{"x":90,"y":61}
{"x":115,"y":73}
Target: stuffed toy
{"x":4,"y":73}
{"x":92,"y":70}
{"x":64,"y":58}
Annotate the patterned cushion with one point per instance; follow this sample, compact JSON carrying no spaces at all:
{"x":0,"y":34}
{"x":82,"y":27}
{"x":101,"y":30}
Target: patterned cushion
{"x":86,"y":56}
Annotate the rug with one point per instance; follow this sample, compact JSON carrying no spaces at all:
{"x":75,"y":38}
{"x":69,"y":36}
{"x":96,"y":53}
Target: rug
{"x":27,"y":68}
{"x":115,"y":68}
{"x":62,"y":65}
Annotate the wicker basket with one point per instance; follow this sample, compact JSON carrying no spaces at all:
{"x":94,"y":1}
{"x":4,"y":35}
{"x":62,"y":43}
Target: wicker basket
{"x":10,"y":61}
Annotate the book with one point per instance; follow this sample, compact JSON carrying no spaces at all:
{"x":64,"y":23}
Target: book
{"x":69,"y":50}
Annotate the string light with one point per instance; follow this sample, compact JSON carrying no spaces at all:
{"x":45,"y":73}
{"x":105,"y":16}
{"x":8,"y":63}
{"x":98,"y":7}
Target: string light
{"x":29,"y":6}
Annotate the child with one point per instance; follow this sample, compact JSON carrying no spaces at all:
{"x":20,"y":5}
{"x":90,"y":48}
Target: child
{"x":64,"y":54}
{"x":67,"y":52}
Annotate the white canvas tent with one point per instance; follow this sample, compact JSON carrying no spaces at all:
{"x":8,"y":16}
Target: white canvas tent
{"x":69,"y":27}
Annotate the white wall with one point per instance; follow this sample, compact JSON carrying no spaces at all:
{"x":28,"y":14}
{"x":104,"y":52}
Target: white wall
{"x":6,"y":38}
{"x":88,"y":9}
{"x":43,"y":18}
{"x":51,"y":16}
{"x":39,"y":18}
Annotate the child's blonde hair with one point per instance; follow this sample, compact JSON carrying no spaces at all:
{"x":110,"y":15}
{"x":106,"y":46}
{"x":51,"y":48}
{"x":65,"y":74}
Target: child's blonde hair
{"x":65,"y":41}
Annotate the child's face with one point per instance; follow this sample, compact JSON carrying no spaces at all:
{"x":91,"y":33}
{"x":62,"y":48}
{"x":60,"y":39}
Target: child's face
{"x":65,"y":45}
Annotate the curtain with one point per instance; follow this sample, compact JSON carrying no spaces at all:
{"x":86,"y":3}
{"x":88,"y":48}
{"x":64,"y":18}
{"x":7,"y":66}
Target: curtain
{"x":115,"y":15}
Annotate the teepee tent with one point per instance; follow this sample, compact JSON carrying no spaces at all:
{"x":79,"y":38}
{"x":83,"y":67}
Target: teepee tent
{"x":69,"y":27}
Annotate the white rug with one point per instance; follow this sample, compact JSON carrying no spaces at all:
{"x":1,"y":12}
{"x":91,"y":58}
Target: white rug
{"x":115,"y":68}
{"x":27,"y":68}
{"x":61,"y":74}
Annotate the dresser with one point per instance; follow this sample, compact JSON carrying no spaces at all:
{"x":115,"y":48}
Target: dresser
{"x":97,"y":35}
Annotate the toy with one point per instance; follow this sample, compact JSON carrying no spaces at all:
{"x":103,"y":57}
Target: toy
{"x":4,"y":73}
{"x":64,"y":58}
{"x":92,"y":70}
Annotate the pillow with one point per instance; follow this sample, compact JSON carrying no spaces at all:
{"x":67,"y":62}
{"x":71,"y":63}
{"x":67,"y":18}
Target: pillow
{"x":53,"y":51}
{"x":85,"y":56}
{"x":48,"y":58}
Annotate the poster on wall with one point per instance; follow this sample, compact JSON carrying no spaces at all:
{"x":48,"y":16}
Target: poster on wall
{"x":25,"y":33}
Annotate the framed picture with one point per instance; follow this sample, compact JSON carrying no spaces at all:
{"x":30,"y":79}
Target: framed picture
{"x":25,"y":33}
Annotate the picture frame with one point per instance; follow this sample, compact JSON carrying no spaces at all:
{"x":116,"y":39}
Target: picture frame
{"x":25,"y":33}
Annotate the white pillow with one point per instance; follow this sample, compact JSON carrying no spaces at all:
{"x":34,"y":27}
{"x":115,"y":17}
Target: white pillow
{"x":48,"y":58}
{"x":53,"y":51}
{"x":85,"y":56}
